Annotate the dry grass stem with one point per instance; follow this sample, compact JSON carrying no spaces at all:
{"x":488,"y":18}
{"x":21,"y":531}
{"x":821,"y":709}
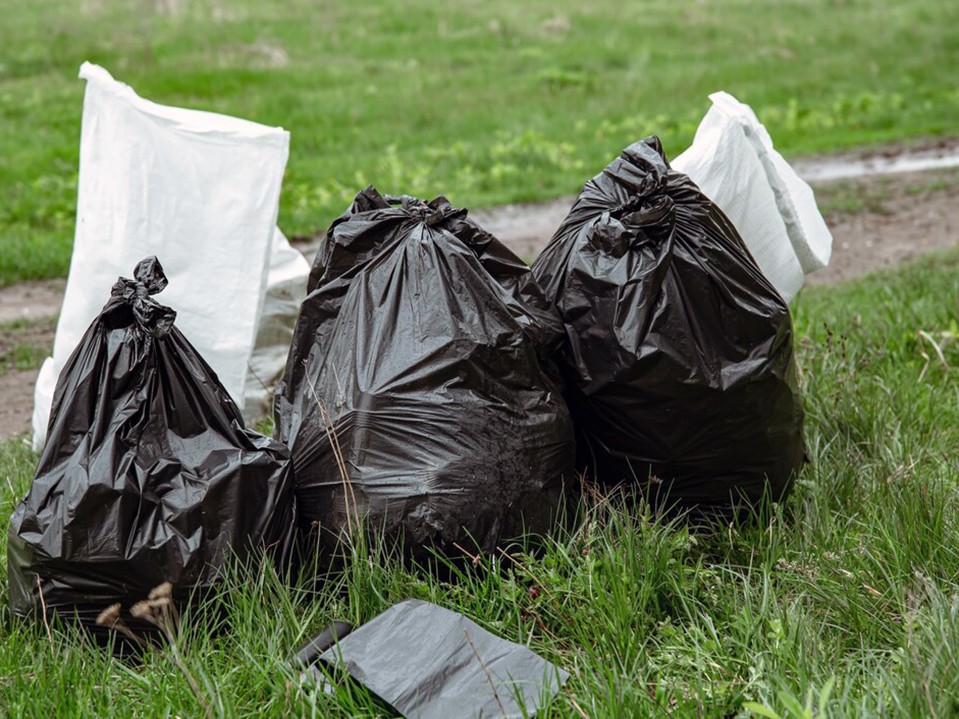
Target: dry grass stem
{"x":43,"y":606}
{"x":159,"y":610}
{"x":352,"y":516}
{"x":111,"y":619}
{"x":489,"y":677}
{"x":576,"y":706}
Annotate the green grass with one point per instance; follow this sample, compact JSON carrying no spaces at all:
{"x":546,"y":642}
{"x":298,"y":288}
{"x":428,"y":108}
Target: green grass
{"x":880,"y":195}
{"x":843,"y":198}
{"x":846,"y":603}
{"x":487,"y":102}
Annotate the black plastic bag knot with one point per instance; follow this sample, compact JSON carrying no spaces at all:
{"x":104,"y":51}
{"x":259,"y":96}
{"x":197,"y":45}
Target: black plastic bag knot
{"x":149,"y":273}
{"x":152,"y":317}
{"x":434,"y":213}
{"x":638,"y":220}
{"x":645,"y":208}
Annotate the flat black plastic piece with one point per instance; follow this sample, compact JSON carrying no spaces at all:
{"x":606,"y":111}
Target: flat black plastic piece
{"x":428,"y":662}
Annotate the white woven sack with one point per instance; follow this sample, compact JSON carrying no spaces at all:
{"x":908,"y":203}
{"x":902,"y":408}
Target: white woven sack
{"x":198,"y":190}
{"x":733,"y":161}
{"x":285,"y":290}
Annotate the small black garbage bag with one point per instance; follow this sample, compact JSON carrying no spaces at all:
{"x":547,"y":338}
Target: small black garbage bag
{"x":414,"y":398}
{"x":678,"y":358}
{"x":428,"y":662}
{"x":148,"y":475}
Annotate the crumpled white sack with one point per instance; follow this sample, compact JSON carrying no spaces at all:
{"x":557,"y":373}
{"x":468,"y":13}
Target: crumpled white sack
{"x":198,"y":190}
{"x":285,"y":291}
{"x":733,"y":161}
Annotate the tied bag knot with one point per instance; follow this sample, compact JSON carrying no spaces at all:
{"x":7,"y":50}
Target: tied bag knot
{"x":643,"y":217}
{"x":643,"y":211}
{"x":435,"y":213}
{"x":440,"y":215}
{"x":152,"y":317}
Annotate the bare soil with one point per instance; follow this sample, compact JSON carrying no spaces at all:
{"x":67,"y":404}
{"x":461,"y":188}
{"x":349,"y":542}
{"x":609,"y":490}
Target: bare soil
{"x":877,"y":221}
{"x":882,"y":221}
{"x":30,"y":301}
{"x":16,"y":401}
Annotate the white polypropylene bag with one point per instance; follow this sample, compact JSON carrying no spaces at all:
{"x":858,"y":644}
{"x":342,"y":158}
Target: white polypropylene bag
{"x":733,"y":161}
{"x":285,"y":290}
{"x":198,"y":190}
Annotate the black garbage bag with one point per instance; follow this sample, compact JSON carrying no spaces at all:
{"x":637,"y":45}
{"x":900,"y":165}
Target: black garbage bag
{"x":414,"y":397}
{"x":678,"y":359}
{"x":148,"y":475}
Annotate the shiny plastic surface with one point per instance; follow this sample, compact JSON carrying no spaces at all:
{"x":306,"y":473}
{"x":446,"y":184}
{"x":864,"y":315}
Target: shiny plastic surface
{"x":678,"y":356}
{"x":414,"y":397}
{"x":148,"y":475}
{"x":428,"y":662}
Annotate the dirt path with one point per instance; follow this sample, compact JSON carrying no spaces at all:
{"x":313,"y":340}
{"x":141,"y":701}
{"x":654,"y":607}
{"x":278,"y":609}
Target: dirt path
{"x":886,"y":220}
{"x":877,"y":221}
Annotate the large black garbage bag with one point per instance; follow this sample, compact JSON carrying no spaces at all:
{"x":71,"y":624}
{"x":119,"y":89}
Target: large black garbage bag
{"x":414,"y":397}
{"x":678,"y":356}
{"x":148,"y":475}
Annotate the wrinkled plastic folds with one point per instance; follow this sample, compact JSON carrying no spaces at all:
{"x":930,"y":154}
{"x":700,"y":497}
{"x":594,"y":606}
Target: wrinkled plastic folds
{"x":148,"y":475}
{"x":733,"y":161}
{"x":679,"y":352}
{"x":414,"y":395}
{"x":197,"y":188}
{"x":428,"y":662}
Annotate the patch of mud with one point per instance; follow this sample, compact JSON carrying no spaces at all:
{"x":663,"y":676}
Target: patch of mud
{"x":525,"y":229}
{"x":16,"y":401}
{"x":30,"y":301}
{"x":912,"y":157}
{"x":36,"y":335}
{"x":903,"y":220}
{"x":23,"y":346}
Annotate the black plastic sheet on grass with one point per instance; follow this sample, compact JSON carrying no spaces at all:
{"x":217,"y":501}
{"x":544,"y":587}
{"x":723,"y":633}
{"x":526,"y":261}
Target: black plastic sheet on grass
{"x":428,"y":662}
{"x":678,"y":357}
